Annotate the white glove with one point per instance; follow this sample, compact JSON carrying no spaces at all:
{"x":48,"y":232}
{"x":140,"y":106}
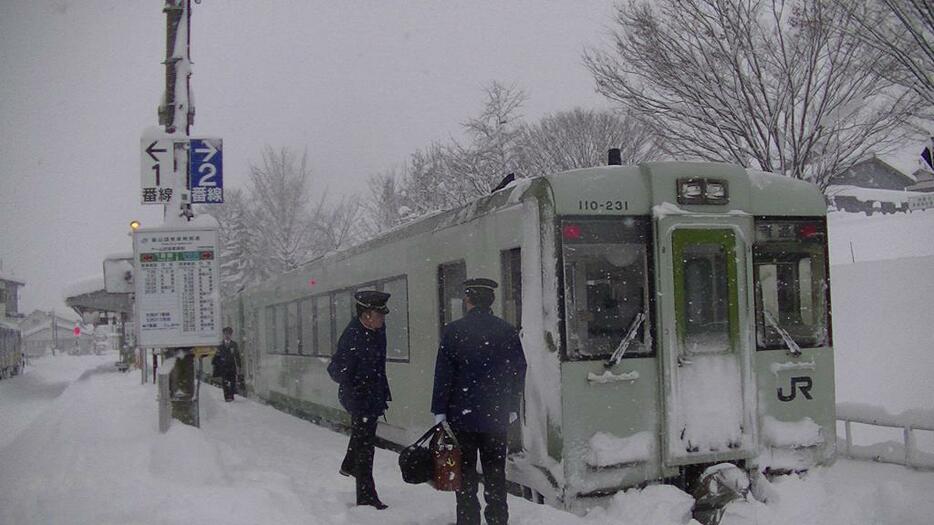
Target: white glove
{"x":440,"y":417}
{"x":513,"y":417}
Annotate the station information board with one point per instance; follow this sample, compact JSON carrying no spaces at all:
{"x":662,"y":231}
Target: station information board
{"x":177,"y":279}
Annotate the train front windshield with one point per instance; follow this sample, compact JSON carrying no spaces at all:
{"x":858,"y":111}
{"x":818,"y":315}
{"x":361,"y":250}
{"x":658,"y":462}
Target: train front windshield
{"x":606,"y":285}
{"x":790,"y":258}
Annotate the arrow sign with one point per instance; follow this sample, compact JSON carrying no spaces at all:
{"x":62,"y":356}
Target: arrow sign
{"x":206,"y":169}
{"x":207,"y":150}
{"x":156,"y":167}
{"x":152,"y":150}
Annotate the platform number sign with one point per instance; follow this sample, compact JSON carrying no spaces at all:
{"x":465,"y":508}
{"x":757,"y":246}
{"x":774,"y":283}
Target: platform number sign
{"x":156,"y":163}
{"x":206,"y":170}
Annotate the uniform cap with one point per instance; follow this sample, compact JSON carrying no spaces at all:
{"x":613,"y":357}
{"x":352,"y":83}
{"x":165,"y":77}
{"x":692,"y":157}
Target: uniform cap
{"x":480,"y":284}
{"x":372,"y":300}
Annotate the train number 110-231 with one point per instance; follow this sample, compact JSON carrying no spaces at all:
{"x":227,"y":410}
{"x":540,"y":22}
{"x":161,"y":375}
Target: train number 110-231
{"x":603,"y":205}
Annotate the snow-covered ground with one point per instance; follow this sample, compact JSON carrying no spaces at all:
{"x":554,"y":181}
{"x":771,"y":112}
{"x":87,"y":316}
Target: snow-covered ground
{"x":92,"y":455}
{"x":882,"y":283}
{"x":79,"y":444}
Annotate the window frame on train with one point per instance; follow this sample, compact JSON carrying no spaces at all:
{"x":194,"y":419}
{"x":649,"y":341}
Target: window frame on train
{"x":640,"y":229}
{"x":453,"y":284}
{"x":767,"y":338}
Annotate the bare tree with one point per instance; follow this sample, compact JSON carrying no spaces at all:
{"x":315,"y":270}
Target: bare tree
{"x":902,"y":30}
{"x":581,"y":138}
{"x":384,"y":209}
{"x":241,"y":258}
{"x":767,"y":84}
{"x":279,"y":189}
{"x":335,"y":227}
{"x":492,"y":152}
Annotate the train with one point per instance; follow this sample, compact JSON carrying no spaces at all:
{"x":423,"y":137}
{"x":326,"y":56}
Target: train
{"x":675,"y":317}
{"x":11,"y":350}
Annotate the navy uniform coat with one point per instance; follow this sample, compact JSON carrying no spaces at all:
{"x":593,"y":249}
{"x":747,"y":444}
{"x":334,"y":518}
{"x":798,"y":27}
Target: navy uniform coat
{"x":226,"y":360}
{"x":359,"y":366}
{"x":479,"y":373}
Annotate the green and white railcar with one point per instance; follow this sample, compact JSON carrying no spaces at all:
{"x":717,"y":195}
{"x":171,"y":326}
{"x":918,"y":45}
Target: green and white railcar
{"x":674,"y":316}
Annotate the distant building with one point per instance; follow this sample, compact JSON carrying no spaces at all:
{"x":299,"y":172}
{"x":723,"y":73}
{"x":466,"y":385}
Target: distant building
{"x":9,"y":296}
{"x":47,"y":332}
{"x":924,"y":181}
{"x":871,"y":186}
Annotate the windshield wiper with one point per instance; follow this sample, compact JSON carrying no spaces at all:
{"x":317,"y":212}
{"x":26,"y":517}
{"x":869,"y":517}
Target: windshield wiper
{"x":793,"y":347}
{"x":624,"y":344}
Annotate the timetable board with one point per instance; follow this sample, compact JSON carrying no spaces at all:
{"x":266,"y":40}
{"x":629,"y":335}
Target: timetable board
{"x":177,"y":275}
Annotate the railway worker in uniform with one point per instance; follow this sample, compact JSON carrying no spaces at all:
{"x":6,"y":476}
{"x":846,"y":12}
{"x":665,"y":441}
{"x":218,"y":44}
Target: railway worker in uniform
{"x":226,"y":364}
{"x":359,"y":366}
{"x":479,"y":379}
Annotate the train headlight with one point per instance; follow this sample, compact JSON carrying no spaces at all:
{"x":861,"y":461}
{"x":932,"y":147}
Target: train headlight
{"x":715,"y":192}
{"x":702,"y":191}
{"x":690,"y":191}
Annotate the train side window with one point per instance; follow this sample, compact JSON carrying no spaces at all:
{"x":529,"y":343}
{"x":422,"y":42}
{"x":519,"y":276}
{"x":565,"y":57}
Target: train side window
{"x":606,"y":285}
{"x":397,"y":322}
{"x":790,"y":272}
{"x":451,"y":277}
{"x":511,"y":267}
{"x":344,"y":310}
{"x":280,"y":329}
{"x":292,"y":337}
{"x":270,"y":327}
{"x":306,"y":343}
{"x":323,"y":325}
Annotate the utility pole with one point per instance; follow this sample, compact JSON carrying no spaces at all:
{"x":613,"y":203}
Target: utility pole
{"x":177,"y":115}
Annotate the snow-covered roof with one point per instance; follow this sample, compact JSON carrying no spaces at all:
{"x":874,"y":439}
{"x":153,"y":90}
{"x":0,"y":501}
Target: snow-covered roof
{"x":84,"y":286}
{"x":870,"y":194}
{"x":10,"y":278}
{"x":120,"y":255}
{"x":906,"y":160}
{"x":60,"y":324}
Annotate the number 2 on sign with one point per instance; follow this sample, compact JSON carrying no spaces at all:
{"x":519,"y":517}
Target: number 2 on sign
{"x":206,"y":177}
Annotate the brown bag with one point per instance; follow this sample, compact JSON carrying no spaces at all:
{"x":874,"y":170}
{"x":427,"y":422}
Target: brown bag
{"x":447,"y":457}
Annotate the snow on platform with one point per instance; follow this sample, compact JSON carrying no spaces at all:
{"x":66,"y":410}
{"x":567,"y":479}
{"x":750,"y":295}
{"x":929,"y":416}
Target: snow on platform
{"x":88,"y":452}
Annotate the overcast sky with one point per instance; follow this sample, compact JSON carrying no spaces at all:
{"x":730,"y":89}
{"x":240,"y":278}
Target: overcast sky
{"x":361,"y":85}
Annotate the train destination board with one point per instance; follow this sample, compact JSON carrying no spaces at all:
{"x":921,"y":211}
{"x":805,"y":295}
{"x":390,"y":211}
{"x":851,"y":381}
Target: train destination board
{"x":176,"y":282}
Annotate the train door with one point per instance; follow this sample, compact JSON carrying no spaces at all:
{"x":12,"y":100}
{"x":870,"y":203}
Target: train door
{"x":707,"y":393}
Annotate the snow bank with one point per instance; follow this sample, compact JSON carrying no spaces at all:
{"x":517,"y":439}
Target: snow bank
{"x":655,"y":504}
{"x":854,"y":237}
{"x":884,"y":331}
{"x":875,"y":415}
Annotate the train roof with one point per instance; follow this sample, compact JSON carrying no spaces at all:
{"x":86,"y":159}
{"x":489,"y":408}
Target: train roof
{"x":642,"y":187}
{"x":509,"y":196}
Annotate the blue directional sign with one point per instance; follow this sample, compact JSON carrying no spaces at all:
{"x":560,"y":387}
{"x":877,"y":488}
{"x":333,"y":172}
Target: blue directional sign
{"x":206,"y":168}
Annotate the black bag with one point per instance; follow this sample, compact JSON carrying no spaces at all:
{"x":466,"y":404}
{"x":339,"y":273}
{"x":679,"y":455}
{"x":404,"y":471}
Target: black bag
{"x":415,"y":460}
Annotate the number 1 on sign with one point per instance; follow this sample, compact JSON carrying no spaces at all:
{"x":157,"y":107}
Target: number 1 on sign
{"x":155,"y":167}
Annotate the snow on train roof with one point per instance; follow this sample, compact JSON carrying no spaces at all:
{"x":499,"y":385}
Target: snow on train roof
{"x":510,"y":195}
